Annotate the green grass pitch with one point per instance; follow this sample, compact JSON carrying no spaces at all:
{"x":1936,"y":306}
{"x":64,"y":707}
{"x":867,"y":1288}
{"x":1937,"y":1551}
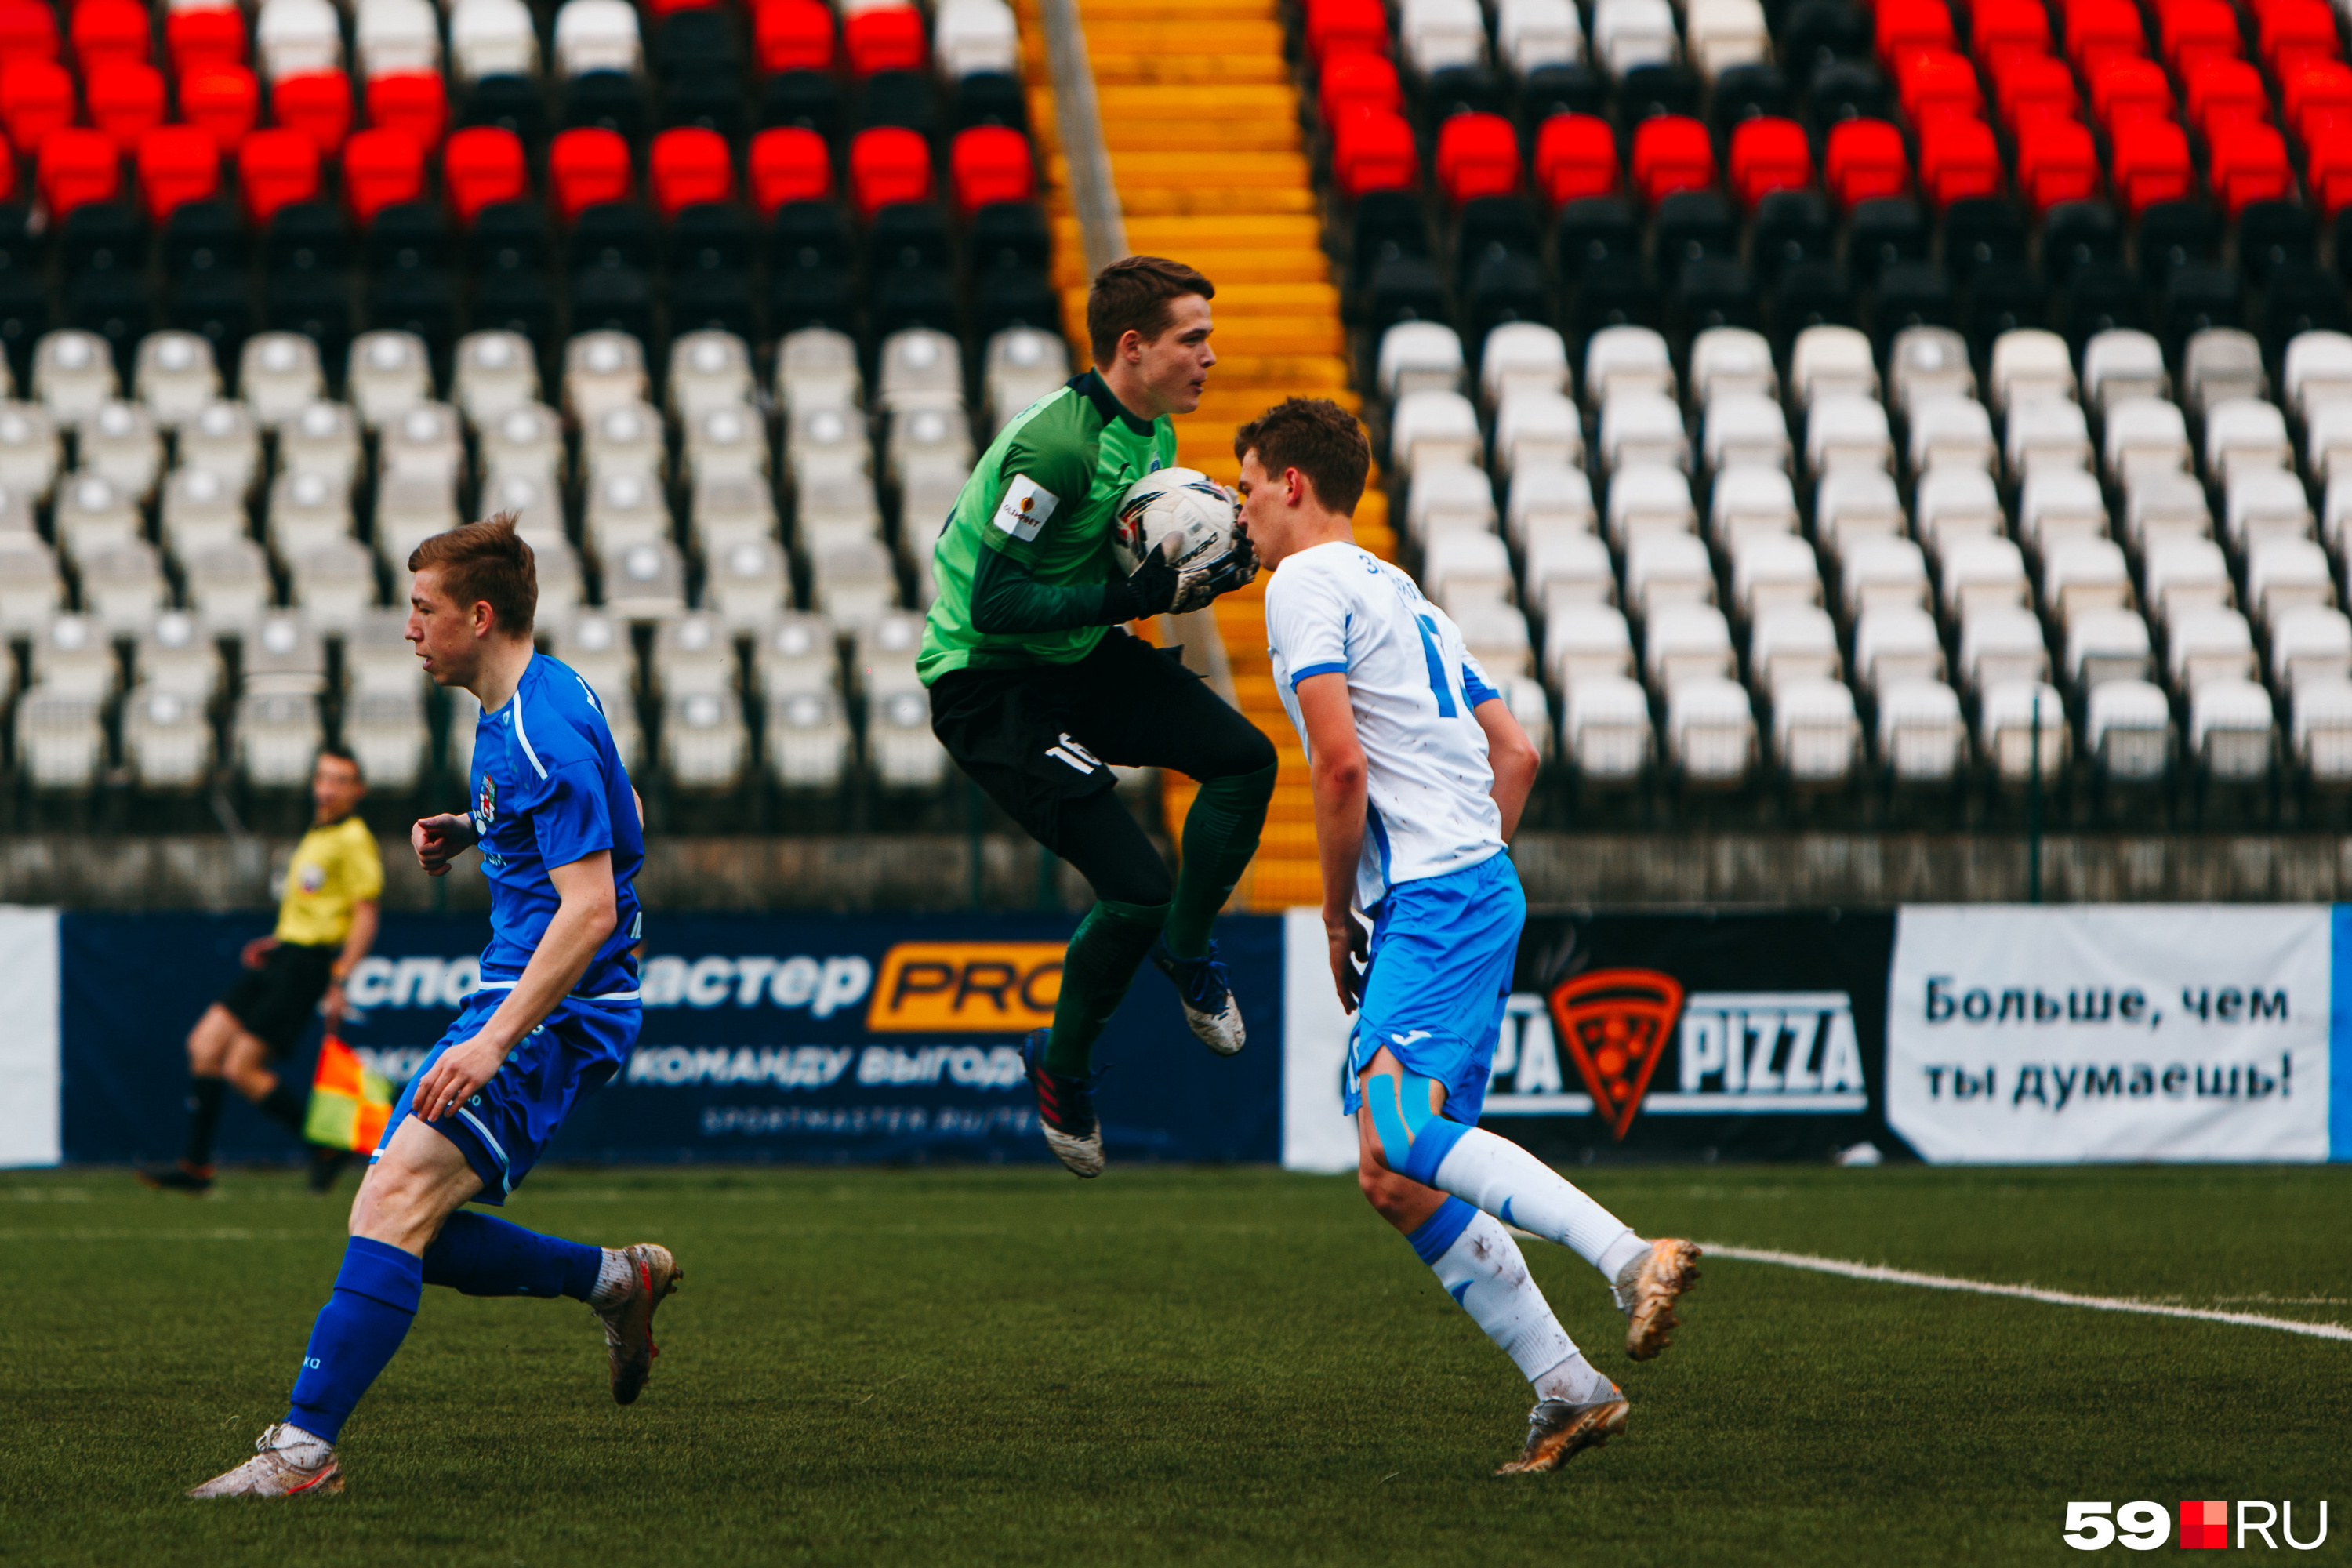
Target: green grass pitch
{"x":1169,"y":1365}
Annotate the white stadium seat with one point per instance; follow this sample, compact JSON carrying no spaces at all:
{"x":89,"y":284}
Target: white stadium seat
{"x":1607,"y":732}
{"x":2231,"y":729}
{"x":1921,"y":739}
{"x":2121,"y":363}
{"x":1815,"y":732}
{"x":2108,"y":645}
{"x":1711,"y":733}
{"x":2128,"y":731}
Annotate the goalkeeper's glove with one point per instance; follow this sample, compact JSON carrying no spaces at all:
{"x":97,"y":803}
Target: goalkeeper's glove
{"x":1162,"y":588}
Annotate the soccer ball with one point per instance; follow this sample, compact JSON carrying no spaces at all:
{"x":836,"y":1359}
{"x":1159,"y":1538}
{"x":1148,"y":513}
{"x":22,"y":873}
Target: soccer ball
{"x":1175,"y":500}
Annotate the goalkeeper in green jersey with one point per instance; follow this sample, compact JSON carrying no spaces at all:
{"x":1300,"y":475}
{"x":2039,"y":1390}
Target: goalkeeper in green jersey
{"x":1037,"y":687}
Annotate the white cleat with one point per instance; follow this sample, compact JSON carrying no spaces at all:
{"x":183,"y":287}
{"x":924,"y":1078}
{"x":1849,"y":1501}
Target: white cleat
{"x":287,"y":1462}
{"x":629,"y":1321}
{"x":1207,"y":995}
{"x":1646,"y":1290}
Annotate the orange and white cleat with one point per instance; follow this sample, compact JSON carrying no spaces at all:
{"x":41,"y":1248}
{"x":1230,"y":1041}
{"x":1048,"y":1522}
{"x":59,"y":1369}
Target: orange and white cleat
{"x":1557,"y":1431}
{"x":287,"y":1462}
{"x":629,"y":1321}
{"x":1646,"y":1290}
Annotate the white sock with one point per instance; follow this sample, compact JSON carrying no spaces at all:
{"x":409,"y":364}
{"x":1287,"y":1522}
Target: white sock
{"x":612,"y":1280}
{"x":1574,"y":1379}
{"x":304,"y":1448}
{"x":1484,"y":1271}
{"x":1498,"y":1176}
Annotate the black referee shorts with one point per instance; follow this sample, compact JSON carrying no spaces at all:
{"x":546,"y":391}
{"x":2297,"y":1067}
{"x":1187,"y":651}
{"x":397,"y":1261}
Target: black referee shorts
{"x":1039,"y":738}
{"x":277,"y":1002}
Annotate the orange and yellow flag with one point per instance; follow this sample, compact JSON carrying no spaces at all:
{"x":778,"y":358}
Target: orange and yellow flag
{"x":349,"y":1101}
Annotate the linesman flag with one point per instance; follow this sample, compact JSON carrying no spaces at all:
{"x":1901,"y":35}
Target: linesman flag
{"x":349,"y":1101}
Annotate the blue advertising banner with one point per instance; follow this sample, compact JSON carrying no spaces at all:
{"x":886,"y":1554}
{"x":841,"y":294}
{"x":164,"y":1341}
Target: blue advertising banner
{"x":850,"y":1038}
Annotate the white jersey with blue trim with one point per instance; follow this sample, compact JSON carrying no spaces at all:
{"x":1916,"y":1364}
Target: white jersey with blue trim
{"x":548,"y":789}
{"x":1429,"y":806}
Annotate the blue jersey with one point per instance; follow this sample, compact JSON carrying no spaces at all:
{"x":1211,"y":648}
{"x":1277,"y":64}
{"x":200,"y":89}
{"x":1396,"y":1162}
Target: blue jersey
{"x":548,"y":789}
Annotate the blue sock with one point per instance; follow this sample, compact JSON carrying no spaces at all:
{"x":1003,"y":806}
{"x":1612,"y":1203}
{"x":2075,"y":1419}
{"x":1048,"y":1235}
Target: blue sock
{"x":358,"y":1329}
{"x":476,"y":1255}
{"x":1438,"y":1232}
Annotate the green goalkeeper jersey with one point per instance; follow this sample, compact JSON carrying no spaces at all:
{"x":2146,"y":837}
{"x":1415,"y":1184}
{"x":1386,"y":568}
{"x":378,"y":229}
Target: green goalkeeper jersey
{"x":1027,"y":554}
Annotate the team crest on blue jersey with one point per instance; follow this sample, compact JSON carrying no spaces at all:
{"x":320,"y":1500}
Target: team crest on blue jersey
{"x":485,"y":809}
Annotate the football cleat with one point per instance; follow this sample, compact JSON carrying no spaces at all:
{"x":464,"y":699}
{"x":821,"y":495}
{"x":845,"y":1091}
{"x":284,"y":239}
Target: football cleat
{"x":629,"y":1321}
{"x":1646,"y":1292}
{"x":1207,"y":995}
{"x":179,"y":1177}
{"x":1066,"y":1110}
{"x":1557,"y":1431}
{"x":326,"y":1164}
{"x":276,"y":1471}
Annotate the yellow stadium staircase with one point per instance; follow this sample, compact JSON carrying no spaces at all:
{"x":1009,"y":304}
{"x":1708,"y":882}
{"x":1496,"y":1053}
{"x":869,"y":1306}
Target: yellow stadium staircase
{"x":1199,"y":114}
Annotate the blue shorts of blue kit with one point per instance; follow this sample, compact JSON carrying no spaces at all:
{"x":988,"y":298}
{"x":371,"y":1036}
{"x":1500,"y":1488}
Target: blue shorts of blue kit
{"x":1437,"y":978}
{"x":505,"y":1128}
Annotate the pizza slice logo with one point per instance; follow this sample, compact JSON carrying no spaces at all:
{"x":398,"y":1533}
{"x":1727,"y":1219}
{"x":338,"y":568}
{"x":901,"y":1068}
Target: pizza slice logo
{"x":2204,"y":1526}
{"x":1616,"y":1023}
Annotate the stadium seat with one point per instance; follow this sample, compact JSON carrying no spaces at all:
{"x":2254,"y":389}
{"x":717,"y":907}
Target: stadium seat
{"x":1477,"y":156}
{"x":125,"y":99}
{"x":381,"y":168}
{"x":176,"y":164}
{"x":991,"y":163}
{"x":1373,"y":150}
{"x":1769,"y":155}
{"x":1671,"y":153}
{"x":2231,"y":729}
{"x":885,"y":38}
{"x":586,"y":166}
{"x":887,"y":164}
{"x":687,"y":167}
{"x":74,"y":168}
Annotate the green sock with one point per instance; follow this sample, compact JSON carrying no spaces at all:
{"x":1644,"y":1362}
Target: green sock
{"x":1220,"y":836}
{"x":1104,"y":955}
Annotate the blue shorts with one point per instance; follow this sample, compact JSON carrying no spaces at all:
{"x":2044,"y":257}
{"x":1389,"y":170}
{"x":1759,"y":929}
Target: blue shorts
{"x":1437,"y":979}
{"x":505,"y":1128}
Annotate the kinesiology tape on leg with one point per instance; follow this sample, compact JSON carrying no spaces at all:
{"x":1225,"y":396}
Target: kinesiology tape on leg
{"x":1481,"y":1269}
{"x":476,"y":1254}
{"x":1413,"y":1138}
{"x":1221,"y":834}
{"x":1505,"y":1181}
{"x":1110,"y":944}
{"x":357,"y":1331}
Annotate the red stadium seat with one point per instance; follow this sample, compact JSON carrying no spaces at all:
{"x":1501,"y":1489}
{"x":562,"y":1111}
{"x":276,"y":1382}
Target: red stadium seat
{"x":1373,"y":150}
{"x":2247,"y":163}
{"x":789,"y":163}
{"x":222,"y":99}
{"x":2151,"y":164}
{"x":1576,"y":156}
{"x":888,"y":163}
{"x":2124,"y":91}
{"x":1477,"y":155}
{"x":27,"y":31}
{"x":1933,"y":83}
{"x":125,"y":99}
{"x":2057,"y":160}
{"x":1769,"y":155}
{"x":111,"y":30}
{"x":688,"y":166}
{"x":381,"y":168}
{"x":2312,"y":85}
{"x":274,"y":169}
{"x":2103,"y":29}
{"x":889,"y":38}
{"x":177,"y":164}
{"x":1338,"y":27}
{"x":992,"y":163}
{"x":1672,"y":153}
{"x":1865,"y":159}
{"x":2328,"y":169}
{"x":413,"y":101}
{"x":794,"y":36}
{"x":36,"y":97}
{"x":2293,"y":31}
{"x":76,"y":167}
{"x":2191,"y":30}
{"x":482,"y":164}
{"x":2031,"y":87}
{"x":585,"y":166}
{"x":1999,"y":27}
{"x":1902,"y":25}
{"x":2225,"y":92}
{"x":316,"y":103}
{"x":1958,"y":159}
{"x":660,"y":8}
{"x":1365,"y":80}
{"x":215,"y":36}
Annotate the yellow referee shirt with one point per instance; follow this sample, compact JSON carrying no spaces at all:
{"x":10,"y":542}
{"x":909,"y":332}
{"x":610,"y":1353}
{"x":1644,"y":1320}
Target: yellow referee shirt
{"x":334,"y":868}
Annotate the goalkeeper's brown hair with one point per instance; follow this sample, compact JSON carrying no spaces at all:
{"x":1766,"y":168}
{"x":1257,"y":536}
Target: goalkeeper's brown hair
{"x":1318,"y":438}
{"x":1138,"y":293}
{"x":485,"y":561}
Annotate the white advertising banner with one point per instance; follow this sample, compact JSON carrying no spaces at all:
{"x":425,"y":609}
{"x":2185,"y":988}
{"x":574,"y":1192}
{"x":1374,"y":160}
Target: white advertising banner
{"x":2021,"y":1035}
{"x":1316,"y":1132}
{"x":31,"y":1125}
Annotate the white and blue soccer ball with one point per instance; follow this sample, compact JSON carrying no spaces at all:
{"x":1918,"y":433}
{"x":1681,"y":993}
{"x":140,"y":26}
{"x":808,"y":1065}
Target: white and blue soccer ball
{"x":1175,"y":500}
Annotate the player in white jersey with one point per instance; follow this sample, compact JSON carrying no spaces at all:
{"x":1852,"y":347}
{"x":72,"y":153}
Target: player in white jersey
{"x":1420,"y":773}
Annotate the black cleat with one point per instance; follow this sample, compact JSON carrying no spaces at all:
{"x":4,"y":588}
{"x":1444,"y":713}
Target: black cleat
{"x":179,"y":1177}
{"x":1066,"y":1110}
{"x":326,"y":1164}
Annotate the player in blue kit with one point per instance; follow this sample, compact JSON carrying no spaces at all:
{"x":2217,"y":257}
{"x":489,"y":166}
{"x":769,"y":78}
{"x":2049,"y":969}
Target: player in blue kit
{"x":1420,"y":773}
{"x":561,"y":837}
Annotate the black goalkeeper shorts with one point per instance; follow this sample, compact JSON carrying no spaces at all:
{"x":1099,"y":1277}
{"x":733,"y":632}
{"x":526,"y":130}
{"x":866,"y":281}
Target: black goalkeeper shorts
{"x":277,"y":1002}
{"x":1043,"y":734}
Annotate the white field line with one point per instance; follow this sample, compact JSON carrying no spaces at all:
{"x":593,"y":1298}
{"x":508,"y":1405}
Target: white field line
{"x":1886,"y":1276}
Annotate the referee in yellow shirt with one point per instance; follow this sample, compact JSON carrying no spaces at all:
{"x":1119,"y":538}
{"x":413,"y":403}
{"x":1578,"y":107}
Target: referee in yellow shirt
{"x":326,"y":923}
